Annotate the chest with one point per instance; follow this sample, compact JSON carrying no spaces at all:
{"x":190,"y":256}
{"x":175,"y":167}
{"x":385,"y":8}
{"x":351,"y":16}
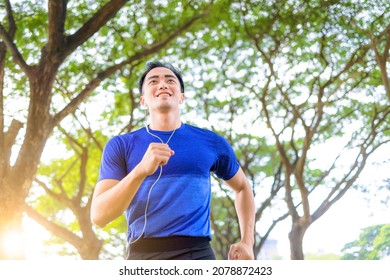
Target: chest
{"x":191,"y":155}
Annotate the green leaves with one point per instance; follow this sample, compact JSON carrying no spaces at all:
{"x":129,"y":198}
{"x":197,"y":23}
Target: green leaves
{"x":373,"y":244}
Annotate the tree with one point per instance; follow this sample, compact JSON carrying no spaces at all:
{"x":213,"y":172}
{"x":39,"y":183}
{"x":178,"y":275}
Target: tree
{"x":223,"y":224}
{"x":297,"y":103}
{"x":373,"y":244}
{"x":71,"y":181}
{"x":379,"y":40}
{"x":54,"y":42}
{"x":71,"y":192}
{"x":312,"y":77}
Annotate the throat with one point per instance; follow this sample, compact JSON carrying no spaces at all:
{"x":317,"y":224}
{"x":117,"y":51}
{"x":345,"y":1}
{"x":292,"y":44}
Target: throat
{"x":165,"y":122}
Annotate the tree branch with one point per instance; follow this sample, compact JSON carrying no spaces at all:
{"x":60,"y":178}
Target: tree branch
{"x":83,"y":175}
{"x":9,"y":43}
{"x":276,"y":186}
{"x":71,"y":140}
{"x":56,"y":22}
{"x":60,"y":197}
{"x":10,"y":19}
{"x":10,"y":137}
{"x":382,"y":58}
{"x":92,"y":85}
{"x":57,"y":230}
{"x":350,"y":177}
{"x":89,"y":132}
{"x":270,"y":229}
{"x":72,"y":106}
{"x":98,"y":20}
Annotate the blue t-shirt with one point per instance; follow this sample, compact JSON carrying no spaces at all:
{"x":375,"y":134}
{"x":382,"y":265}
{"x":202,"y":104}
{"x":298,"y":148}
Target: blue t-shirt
{"x":180,"y":201}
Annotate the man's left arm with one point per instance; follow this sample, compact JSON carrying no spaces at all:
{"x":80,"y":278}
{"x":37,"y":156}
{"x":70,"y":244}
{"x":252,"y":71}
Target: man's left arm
{"x":245,"y":208}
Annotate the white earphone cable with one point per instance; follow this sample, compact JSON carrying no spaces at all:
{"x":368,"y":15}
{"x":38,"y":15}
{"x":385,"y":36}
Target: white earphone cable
{"x":151,"y":187}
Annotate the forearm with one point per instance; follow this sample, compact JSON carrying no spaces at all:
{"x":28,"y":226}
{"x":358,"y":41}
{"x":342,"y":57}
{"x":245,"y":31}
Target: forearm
{"x":245,"y":209}
{"x":111,"y":198}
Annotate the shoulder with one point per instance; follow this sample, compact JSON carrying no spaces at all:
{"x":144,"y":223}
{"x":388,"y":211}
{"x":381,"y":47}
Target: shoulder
{"x":123,"y":140}
{"x":212,"y":139}
{"x":203,"y":132}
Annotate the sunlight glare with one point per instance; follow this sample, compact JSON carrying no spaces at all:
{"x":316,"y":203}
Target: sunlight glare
{"x":12,"y":244}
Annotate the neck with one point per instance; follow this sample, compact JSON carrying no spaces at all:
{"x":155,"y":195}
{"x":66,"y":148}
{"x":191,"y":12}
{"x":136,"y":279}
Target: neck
{"x":165,"y":122}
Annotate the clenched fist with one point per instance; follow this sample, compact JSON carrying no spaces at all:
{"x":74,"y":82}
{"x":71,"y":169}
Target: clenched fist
{"x":156,"y":155}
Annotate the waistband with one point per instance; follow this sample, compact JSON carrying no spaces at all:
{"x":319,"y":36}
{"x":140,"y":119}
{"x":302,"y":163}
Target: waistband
{"x":171,"y":243}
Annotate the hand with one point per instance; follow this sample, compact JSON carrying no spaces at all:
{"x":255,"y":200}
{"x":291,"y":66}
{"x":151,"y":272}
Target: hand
{"x":241,"y":251}
{"x":156,"y":155}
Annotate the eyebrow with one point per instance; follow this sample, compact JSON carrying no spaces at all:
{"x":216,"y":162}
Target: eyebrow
{"x":166,"y":76}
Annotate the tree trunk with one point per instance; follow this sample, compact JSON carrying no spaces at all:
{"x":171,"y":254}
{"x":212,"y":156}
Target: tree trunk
{"x":295,"y":236}
{"x":17,"y":179}
{"x":91,"y":247}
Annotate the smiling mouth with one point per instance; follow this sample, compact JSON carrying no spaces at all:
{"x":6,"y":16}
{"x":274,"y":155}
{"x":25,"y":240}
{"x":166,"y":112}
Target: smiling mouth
{"x":164,"y":93}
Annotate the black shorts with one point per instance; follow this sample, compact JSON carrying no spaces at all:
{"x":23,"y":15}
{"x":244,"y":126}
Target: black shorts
{"x":171,"y":248}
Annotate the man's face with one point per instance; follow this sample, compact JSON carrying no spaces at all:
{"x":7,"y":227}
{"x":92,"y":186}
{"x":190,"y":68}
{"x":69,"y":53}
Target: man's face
{"x":161,"y":90}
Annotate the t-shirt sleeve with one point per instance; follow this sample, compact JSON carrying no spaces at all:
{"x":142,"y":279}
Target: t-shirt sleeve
{"x":226,"y":165}
{"x":113,"y":163}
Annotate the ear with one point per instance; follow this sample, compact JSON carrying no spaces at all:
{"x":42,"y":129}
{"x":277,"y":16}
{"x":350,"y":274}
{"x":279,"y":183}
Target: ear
{"x":182,"y":98}
{"x":142,"y":101}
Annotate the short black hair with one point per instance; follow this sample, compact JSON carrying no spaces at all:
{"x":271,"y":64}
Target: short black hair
{"x":154,"y":64}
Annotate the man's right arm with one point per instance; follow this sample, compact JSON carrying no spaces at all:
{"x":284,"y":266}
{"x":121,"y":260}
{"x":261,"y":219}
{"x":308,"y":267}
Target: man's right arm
{"x":112,"y":197}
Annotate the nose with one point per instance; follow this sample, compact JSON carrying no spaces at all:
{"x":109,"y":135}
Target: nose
{"x":162,"y":85}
